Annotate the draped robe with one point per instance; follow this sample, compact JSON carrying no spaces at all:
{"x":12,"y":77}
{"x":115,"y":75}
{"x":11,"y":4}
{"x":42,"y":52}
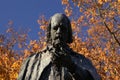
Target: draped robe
{"x":42,"y":66}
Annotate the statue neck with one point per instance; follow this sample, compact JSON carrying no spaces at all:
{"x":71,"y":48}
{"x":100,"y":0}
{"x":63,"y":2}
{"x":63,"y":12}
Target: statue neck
{"x":59,"y":47}
{"x":63,"y":45}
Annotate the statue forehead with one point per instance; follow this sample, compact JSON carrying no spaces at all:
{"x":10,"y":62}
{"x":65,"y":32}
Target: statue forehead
{"x":58,"y":18}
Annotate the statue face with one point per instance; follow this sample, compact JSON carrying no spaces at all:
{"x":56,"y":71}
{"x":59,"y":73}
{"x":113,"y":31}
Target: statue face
{"x":59,"y":29}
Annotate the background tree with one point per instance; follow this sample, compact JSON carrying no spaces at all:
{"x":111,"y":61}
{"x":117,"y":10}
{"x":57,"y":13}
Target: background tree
{"x":10,"y":59}
{"x":96,"y":34}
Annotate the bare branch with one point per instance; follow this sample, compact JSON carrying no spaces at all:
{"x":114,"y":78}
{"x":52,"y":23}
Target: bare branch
{"x":105,"y":24}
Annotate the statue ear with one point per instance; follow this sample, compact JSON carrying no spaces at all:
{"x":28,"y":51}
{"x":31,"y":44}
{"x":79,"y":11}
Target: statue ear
{"x":48,"y":31}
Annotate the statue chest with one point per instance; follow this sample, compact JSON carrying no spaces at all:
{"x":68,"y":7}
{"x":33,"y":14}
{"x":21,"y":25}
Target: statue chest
{"x":49,"y":71}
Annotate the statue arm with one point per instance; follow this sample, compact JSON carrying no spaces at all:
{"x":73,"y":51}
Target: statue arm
{"x":82,"y":68}
{"x":23,"y":69}
{"x":26,"y":67}
{"x":80,"y":73}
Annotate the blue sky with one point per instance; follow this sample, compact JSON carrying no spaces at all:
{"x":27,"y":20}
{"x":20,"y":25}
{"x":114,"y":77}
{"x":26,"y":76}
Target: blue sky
{"x":25,"y":13}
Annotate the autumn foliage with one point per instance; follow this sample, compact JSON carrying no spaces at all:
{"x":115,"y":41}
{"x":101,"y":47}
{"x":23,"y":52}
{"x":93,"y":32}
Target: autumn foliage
{"x":96,"y":34}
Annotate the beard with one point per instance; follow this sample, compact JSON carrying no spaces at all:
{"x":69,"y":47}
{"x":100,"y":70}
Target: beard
{"x":57,"y":41}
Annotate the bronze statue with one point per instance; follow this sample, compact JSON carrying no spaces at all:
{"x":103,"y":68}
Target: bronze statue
{"x":57,"y":61}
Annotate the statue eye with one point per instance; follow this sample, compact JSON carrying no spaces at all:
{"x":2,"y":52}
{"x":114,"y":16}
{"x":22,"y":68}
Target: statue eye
{"x":55,"y":27}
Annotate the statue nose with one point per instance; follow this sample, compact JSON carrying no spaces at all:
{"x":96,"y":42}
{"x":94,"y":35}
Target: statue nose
{"x":59,"y":30}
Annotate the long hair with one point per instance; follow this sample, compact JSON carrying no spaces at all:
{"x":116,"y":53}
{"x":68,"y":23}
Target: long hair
{"x":69,"y":39}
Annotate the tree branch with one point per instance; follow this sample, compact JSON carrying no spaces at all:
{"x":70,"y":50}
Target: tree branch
{"x":105,"y":24}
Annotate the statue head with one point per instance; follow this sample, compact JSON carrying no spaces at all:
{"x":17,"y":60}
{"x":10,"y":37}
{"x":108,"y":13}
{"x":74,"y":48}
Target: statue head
{"x":59,"y":29}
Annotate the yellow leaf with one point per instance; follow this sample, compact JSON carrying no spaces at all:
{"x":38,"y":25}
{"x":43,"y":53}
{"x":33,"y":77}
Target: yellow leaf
{"x":100,"y":1}
{"x":43,"y":27}
{"x":119,"y":1}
